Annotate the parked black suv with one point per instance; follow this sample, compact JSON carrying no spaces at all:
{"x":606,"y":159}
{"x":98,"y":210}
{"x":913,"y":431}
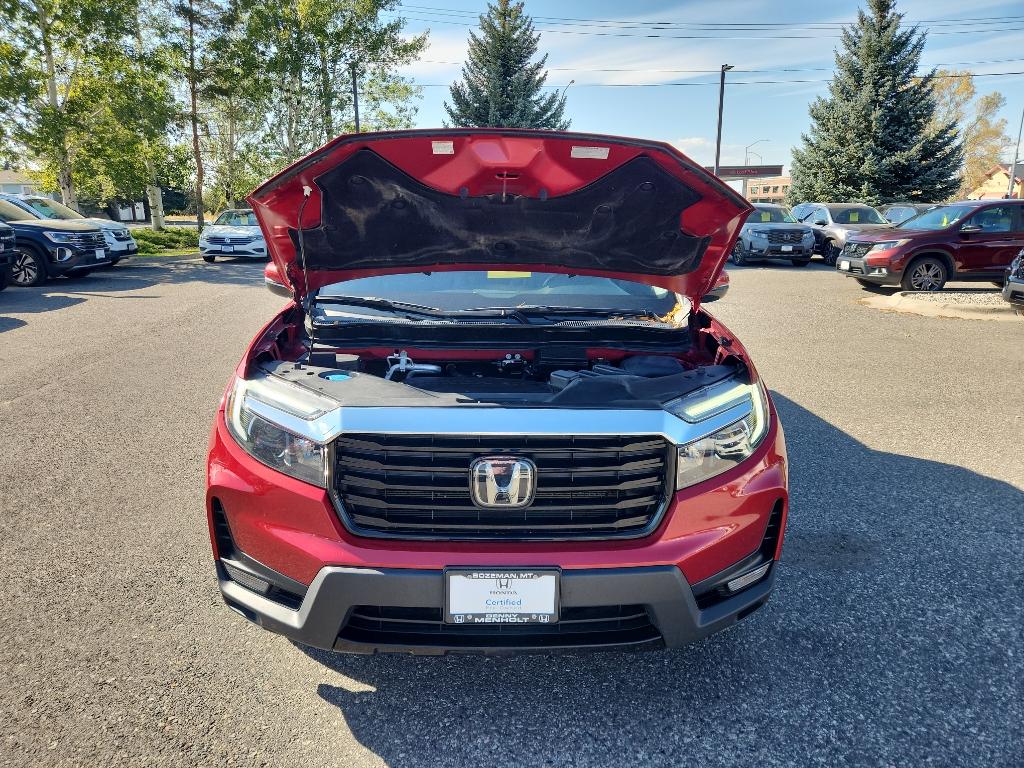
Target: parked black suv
{"x":6,"y":254}
{"x":50,"y":247}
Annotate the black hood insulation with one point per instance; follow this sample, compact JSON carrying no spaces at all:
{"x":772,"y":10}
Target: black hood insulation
{"x":376,"y":216}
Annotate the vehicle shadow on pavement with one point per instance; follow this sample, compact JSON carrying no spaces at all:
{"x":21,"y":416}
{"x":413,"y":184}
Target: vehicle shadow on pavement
{"x":892,"y":639}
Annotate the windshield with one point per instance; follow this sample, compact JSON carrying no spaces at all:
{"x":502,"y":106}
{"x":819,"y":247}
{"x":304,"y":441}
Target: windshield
{"x":772,"y":215}
{"x":237,"y":219}
{"x":51,"y":209}
{"x":861,"y":214}
{"x":495,"y":289}
{"x":938,"y":218}
{"x":10,"y":212}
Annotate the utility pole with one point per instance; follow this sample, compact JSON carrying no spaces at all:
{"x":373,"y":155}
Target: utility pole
{"x":1016,"y":156}
{"x":721,"y":103}
{"x":355,"y":91}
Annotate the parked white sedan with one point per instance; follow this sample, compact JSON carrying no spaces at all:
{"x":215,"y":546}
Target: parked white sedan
{"x":234,"y":233}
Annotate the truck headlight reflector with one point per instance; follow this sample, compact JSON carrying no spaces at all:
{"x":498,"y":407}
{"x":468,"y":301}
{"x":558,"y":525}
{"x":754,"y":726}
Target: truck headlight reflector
{"x":720,"y":451}
{"x":269,"y":443}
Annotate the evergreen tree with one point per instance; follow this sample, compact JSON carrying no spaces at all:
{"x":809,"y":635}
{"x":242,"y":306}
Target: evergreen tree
{"x":501,"y":85}
{"x":874,"y":138}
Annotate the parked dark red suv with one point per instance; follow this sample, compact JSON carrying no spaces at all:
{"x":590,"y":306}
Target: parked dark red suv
{"x":971,"y":240}
{"x":495,"y":416}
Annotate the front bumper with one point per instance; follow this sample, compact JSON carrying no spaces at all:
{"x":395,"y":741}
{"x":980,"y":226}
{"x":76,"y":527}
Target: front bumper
{"x":1013,"y":291}
{"x":329,"y":615}
{"x":860,"y":269}
{"x":251,"y":251}
{"x":775,"y":252}
{"x":65,"y":260}
{"x":291,"y":531}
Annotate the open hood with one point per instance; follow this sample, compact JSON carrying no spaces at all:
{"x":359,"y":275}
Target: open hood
{"x":428,"y":200}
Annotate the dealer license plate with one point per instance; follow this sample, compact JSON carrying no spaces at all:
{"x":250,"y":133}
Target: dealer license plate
{"x":787,"y":249}
{"x":228,"y":249}
{"x":100,"y":254}
{"x":844,"y":265}
{"x":501,"y":596}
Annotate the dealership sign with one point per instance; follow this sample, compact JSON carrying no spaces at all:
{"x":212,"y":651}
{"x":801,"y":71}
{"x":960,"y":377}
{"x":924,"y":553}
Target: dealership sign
{"x":728,"y":172}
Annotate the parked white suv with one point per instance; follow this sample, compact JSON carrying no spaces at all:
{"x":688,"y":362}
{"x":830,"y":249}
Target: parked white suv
{"x":118,"y":238}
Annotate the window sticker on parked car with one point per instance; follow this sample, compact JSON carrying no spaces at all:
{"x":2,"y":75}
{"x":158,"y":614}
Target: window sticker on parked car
{"x":854,"y":217}
{"x":507,"y":275}
{"x":766,"y":217}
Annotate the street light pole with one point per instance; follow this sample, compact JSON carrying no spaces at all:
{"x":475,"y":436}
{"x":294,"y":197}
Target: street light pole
{"x":721,"y":104}
{"x":747,"y":152}
{"x":1016,"y":156}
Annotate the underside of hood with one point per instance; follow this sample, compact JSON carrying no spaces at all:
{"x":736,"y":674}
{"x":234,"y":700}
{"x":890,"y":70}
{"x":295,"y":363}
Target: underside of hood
{"x":416,"y":201}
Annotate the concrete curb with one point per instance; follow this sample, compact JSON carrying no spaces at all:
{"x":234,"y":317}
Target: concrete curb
{"x":907,"y":302}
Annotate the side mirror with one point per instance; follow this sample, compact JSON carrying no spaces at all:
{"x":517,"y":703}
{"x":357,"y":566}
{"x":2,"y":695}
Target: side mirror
{"x":275,"y":284}
{"x":820,"y":223}
{"x":966,"y":229}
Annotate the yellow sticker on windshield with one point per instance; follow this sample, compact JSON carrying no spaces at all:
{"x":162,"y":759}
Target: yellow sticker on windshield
{"x":507,"y":275}
{"x":854,"y":217}
{"x":766,"y":217}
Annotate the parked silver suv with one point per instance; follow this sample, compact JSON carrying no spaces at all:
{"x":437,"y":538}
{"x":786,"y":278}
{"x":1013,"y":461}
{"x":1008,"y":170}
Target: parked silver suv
{"x":832,"y":223}
{"x":771,"y":233}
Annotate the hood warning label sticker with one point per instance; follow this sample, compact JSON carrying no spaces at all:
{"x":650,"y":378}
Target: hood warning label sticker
{"x":443,"y":147}
{"x":592,"y":153}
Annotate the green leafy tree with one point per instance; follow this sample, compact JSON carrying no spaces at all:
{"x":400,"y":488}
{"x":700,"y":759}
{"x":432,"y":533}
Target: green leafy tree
{"x":309,"y":52}
{"x":55,"y":77}
{"x":874,"y":138}
{"x":501,"y":83}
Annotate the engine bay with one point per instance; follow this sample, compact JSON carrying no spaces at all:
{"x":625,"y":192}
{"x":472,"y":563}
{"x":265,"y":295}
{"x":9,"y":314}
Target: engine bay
{"x":555,"y":376}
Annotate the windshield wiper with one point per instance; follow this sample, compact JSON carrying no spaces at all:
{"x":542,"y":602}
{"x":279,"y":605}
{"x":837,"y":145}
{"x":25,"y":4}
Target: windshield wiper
{"x":410,"y":310}
{"x":526,"y":310}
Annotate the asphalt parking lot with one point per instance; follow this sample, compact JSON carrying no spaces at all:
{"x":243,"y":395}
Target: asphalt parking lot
{"x":893,"y":637}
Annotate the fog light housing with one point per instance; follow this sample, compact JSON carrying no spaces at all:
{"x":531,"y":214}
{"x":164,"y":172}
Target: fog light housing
{"x":249,"y":581}
{"x":748,"y":578}
{"x":879,"y":271}
{"x":63,"y":254}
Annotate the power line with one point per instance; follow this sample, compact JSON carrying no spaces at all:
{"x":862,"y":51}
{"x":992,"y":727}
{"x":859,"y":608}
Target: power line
{"x":710,"y":25}
{"x":651,"y":35}
{"x":731,"y":82}
{"x":715,"y":71}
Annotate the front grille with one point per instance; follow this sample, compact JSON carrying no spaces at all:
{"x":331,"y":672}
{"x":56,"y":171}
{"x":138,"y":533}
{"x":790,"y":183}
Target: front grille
{"x":230,"y":240}
{"x":417,"y":486}
{"x":85,"y":240}
{"x":856,"y":250}
{"x":592,"y":627}
{"x":782,"y":236}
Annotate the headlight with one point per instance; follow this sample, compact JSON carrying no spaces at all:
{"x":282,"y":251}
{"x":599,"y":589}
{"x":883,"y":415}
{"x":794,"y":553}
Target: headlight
{"x":250,"y":413}
{"x":808,"y":235}
{"x":59,"y":237}
{"x":759,"y":232}
{"x":720,"y":451}
{"x":887,"y":245}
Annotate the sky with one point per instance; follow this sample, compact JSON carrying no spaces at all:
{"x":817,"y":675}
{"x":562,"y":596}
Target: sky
{"x":622,"y":75}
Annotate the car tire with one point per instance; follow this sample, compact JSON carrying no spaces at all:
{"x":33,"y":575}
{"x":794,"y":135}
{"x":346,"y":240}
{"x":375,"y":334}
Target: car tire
{"x":927,"y":273}
{"x":830,"y":252}
{"x":29,"y":268}
{"x":737,"y":256}
{"x":799,"y":262}
{"x":209,"y":259}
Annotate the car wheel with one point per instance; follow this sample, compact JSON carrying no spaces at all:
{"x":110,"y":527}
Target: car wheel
{"x":737,"y":257}
{"x":799,"y":262}
{"x":209,"y":259}
{"x":28,"y":269}
{"x":830,"y":252}
{"x":927,"y":274}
